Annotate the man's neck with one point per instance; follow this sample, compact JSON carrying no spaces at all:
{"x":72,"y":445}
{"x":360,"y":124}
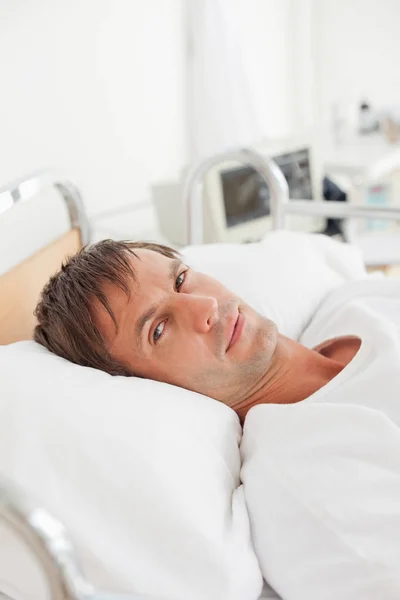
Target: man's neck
{"x":296,"y":372}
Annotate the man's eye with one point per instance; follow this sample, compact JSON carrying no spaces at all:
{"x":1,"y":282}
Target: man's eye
{"x":179,"y":280}
{"x":158,"y":331}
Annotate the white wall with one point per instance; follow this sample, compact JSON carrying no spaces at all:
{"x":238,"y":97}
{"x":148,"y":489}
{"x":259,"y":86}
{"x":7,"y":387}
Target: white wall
{"x":266,"y":30}
{"x":279,"y":54}
{"x":97,"y":88}
{"x":94,"y":88}
{"x":358,"y":52}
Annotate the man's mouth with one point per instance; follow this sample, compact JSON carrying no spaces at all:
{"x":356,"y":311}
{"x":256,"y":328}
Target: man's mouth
{"x":235,"y":329}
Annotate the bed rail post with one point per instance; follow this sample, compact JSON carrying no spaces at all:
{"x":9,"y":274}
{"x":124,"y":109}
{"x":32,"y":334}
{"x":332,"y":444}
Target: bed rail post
{"x":265,"y":167}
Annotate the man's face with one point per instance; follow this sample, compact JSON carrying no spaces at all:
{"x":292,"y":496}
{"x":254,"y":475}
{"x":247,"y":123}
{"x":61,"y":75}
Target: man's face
{"x":185,"y":328}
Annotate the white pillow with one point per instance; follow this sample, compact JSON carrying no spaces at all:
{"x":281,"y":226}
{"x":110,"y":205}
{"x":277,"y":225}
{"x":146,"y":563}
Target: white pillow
{"x":285,"y":277}
{"x":145,"y":477}
{"x":322,"y":486}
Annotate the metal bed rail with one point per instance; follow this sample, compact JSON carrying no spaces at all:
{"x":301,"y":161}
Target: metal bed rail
{"x":48,"y":540}
{"x":280,"y":204}
{"x":26,"y":188}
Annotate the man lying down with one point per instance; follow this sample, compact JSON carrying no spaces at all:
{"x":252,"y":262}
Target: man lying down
{"x":137,"y":309}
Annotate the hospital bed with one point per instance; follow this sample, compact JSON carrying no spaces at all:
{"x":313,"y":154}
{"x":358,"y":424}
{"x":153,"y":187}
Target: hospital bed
{"x":43,"y":541}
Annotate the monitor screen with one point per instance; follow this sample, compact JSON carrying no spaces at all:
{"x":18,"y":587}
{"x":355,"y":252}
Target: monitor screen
{"x":246,"y":197}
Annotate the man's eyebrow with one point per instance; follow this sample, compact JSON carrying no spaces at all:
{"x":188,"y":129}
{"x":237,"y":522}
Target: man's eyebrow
{"x":149,"y":314}
{"x":174,"y":268}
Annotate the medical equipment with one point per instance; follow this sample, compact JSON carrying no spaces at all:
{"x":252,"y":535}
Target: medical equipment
{"x":380,"y":253}
{"x":39,"y":531}
{"x":236,"y":200}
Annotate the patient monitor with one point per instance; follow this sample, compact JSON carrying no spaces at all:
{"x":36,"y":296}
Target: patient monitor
{"x":236,"y":202}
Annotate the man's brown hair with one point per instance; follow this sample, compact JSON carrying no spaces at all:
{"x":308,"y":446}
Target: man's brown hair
{"x":65,"y":310}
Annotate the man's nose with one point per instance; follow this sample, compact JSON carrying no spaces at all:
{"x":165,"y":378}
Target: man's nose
{"x":201,"y":312}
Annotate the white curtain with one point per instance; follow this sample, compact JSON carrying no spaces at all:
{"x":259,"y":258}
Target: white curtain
{"x":221,"y":112}
{"x":250,"y":72}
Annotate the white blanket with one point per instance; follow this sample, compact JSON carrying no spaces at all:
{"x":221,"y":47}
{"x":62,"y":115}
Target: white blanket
{"x":322,"y":477}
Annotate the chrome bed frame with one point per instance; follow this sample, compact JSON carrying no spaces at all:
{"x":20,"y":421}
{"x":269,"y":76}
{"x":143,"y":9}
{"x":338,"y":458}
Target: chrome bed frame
{"x":41,"y":531}
{"x":26,"y":188}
